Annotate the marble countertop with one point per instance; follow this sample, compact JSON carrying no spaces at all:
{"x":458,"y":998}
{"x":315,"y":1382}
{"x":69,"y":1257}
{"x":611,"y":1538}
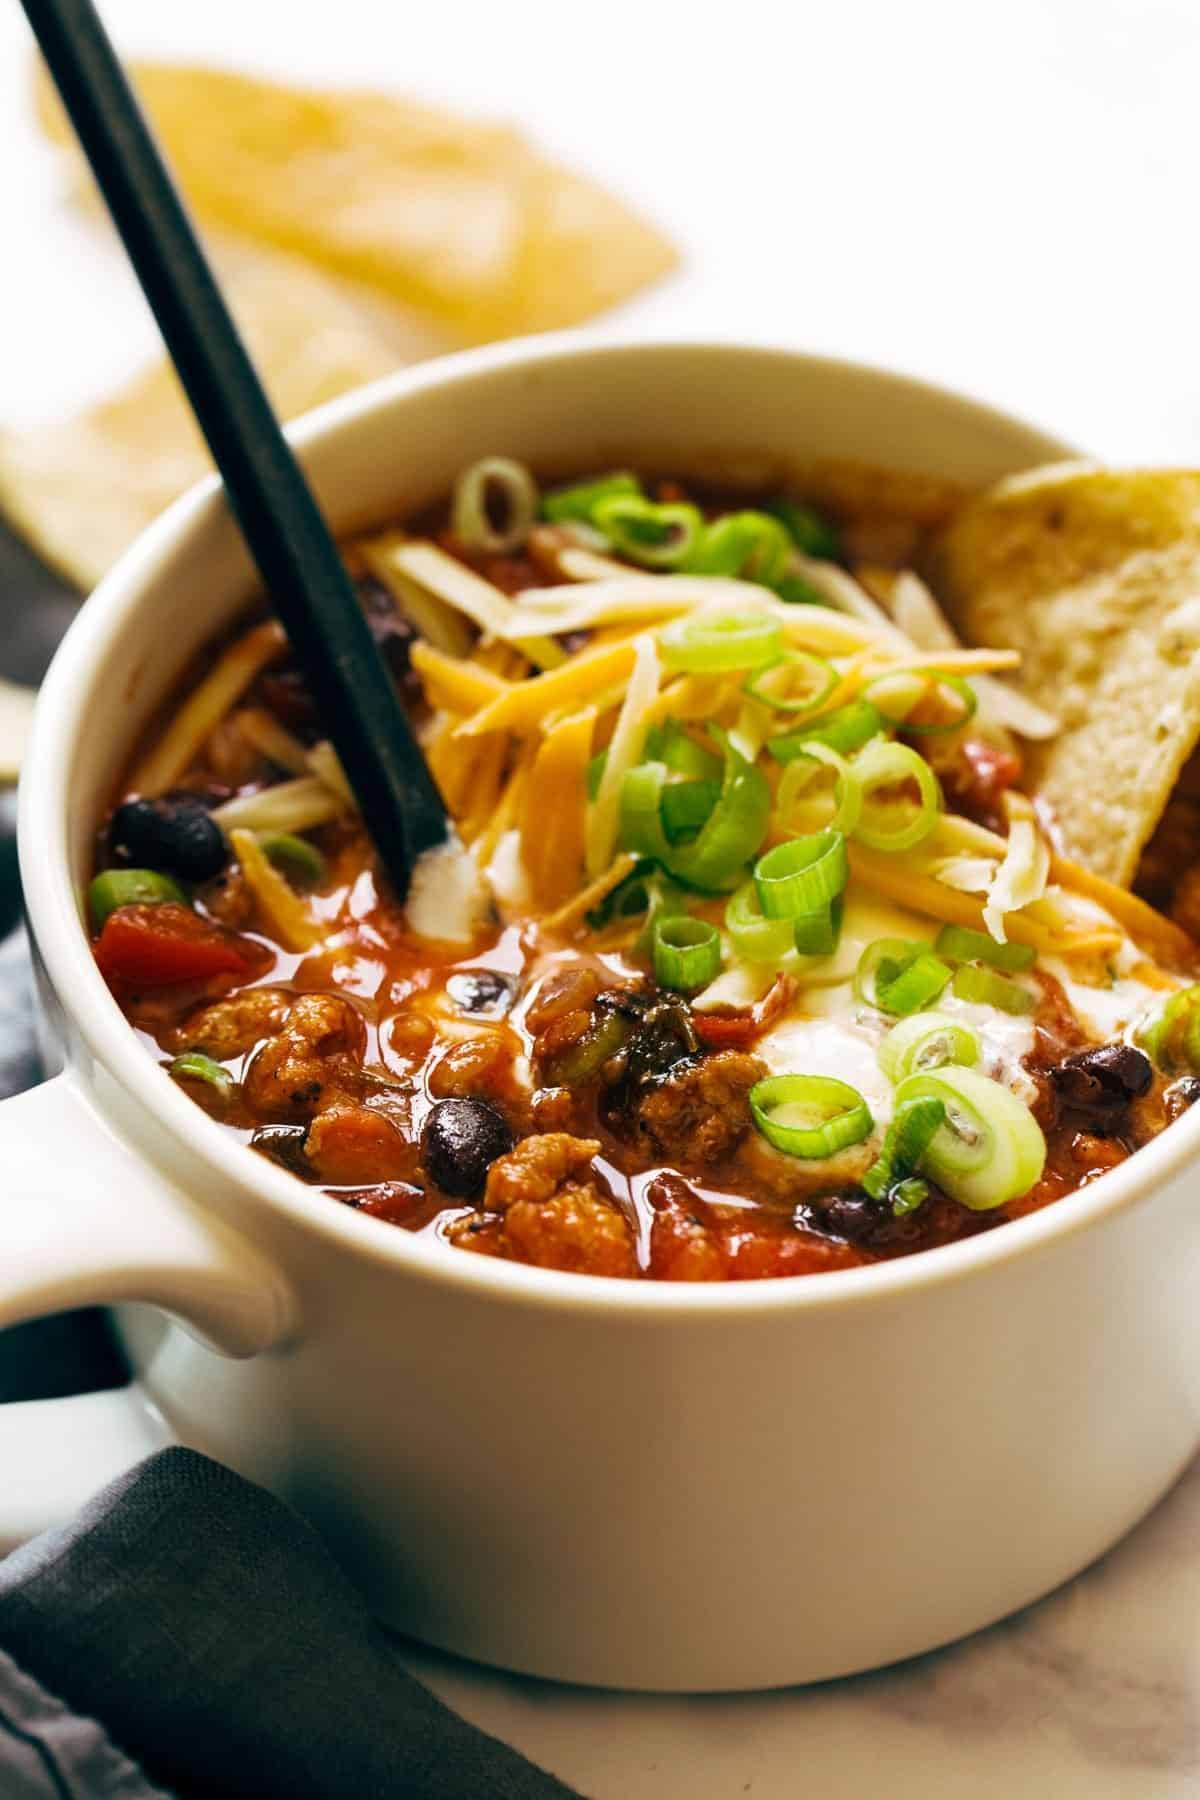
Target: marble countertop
{"x":1000,"y":198}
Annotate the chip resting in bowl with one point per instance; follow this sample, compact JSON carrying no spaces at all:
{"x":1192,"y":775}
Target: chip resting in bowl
{"x":1094,"y":576}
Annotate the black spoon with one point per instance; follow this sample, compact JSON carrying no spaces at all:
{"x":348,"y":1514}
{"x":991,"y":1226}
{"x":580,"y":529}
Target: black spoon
{"x":288,"y":538}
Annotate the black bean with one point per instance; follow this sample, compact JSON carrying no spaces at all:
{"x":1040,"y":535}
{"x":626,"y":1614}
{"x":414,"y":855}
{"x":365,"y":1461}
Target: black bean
{"x":663,"y":1037}
{"x":460,"y":1142}
{"x":850,"y":1216}
{"x":481,"y":991}
{"x":176,"y":835}
{"x":284,"y":1144}
{"x":1101,"y":1082}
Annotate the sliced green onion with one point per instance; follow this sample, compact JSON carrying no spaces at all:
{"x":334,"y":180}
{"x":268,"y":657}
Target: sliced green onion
{"x":293,"y":856}
{"x":810,"y":532}
{"x":802,"y":876}
{"x":128,"y":887}
{"x":495,"y":505}
{"x":798,"y":776}
{"x":797,"y":592}
{"x":913,"y":987}
{"x":845,"y":730}
{"x":686,"y":805}
{"x":989,"y":1149}
{"x":658,"y":537}
{"x":961,"y":944}
{"x":926,"y":1040}
{"x":733,"y":831}
{"x":899,"y":976}
{"x":901,"y":692}
{"x":895,"y":824}
{"x":193,"y":1065}
{"x":751,"y":545}
{"x":755,"y":938}
{"x":908,"y":1195}
{"x":909,"y":1136}
{"x":1171,"y":1035}
{"x":641,"y":826}
{"x":797,"y":681}
{"x":809,"y":1115}
{"x":671,"y":744}
{"x":710,"y":643}
{"x":577,"y":502}
{"x":972,"y":981}
{"x":817,"y":933}
{"x":687,"y":953}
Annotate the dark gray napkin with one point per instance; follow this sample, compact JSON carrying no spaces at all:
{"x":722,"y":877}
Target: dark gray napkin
{"x":208,"y":1627}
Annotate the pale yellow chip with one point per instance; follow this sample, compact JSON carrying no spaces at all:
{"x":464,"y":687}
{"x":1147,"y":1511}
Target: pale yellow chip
{"x":16,"y":720}
{"x":81,"y":490}
{"x":1094,"y":576}
{"x":461,"y":218}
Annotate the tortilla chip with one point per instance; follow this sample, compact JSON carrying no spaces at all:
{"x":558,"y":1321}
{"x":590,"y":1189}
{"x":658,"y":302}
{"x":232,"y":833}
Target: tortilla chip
{"x":16,"y":719}
{"x":1094,"y":576}
{"x":80,"y":490}
{"x":463,"y":219}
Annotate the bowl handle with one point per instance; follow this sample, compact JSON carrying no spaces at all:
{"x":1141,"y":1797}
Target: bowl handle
{"x":84,"y":1222}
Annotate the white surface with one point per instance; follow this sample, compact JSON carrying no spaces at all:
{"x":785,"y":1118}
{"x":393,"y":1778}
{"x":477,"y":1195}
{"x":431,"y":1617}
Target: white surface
{"x":1000,"y":199}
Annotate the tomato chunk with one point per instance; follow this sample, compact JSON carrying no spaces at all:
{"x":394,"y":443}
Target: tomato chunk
{"x":154,"y":946}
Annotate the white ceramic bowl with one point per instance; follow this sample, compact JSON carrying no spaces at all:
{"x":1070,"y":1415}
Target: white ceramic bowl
{"x":638,"y":1485}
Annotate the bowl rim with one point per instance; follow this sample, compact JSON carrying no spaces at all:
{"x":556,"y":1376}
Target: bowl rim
{"x":54,"y":915}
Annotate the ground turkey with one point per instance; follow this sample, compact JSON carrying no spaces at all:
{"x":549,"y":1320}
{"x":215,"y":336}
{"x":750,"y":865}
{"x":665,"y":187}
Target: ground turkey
{"x":318,"y":1053}
{"x":699,"y":1112}
{"x":544,"y":1204}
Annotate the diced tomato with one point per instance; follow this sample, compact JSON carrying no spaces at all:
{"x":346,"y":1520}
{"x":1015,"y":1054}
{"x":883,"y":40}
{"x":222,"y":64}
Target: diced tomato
{"x":155,"y":946}
{"x":978,"y":778}
{"x":733,"y":1028}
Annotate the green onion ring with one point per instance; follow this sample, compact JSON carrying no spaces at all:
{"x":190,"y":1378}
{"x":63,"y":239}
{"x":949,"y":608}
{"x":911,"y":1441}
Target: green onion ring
{"x":657,"y":537}
{"x":895,"y":825}
{"x":671,"y":744}
{"x":912,"y":1130}
{"x":817,"y":933}
{"x":802,"y":876}
{"x":755,"y":938}
{"x":809,"y":1115}
{"x":845,"y":730}
{"x":960,"y":944}
{"x":732,"y":833}
{"x":926,"y":1040}
{"x":492,"y":479}
{"x":577,"y":502}
{"x":798,"y":775}
{"x":641,"y":827}
{"x":881,"y":962}
{"x":990,"y":1148}
{"x":910,"y":687}
{"x":687,"y":806}
{"x":750,"y":545}
{"x":914,"y":986}
{"x":686,"y":952}
{"x":712,"y":643}
{"x":975,"y":982}
{"x":809,"y":531}
{"x":816,"y":679}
